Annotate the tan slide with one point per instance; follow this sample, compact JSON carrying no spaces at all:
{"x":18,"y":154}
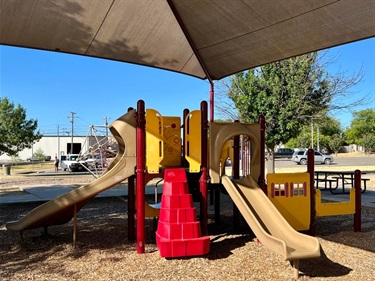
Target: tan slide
{"x":61,"y":209}
{"x":270,"y":227}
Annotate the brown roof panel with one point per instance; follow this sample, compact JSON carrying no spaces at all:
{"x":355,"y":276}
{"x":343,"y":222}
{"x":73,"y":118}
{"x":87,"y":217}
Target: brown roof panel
{"x":202,"y":38}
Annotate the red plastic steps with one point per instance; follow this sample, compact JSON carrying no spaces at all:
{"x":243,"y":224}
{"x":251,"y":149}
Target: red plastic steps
{"x":179,"y":233}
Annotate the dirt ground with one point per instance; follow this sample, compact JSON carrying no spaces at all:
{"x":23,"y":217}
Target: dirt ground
{"x":103,"y":251}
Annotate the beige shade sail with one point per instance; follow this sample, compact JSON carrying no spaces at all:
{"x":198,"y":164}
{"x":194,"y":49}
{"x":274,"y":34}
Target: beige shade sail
{"x":202,"y":38}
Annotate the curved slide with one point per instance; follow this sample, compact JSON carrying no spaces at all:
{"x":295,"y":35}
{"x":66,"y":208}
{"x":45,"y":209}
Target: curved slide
{"x":61,"y":209}
{"x":270,"y":227}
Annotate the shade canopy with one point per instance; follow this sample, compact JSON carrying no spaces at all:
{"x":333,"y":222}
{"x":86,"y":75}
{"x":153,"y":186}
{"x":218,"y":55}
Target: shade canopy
{"x":203,"y":38}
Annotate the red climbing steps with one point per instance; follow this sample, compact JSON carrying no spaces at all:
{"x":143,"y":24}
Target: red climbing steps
{"x":179,"y":233}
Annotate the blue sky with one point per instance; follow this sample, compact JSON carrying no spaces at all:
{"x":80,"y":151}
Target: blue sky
{"x":52,"y":85}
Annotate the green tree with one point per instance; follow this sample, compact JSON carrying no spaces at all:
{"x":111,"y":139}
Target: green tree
{"x":321,"y":132}
{"x":336,"y":142}
{"x":288,"y":93}
{"x":369,"y":143}
{"x":302,"y":141}
{"x":362,"y":129}
{"x":16,"y":132}
{"x":330,"y":134}
{"x":39,"y":154}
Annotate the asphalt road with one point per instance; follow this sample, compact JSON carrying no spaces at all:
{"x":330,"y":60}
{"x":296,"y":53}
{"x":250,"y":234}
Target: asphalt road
{"x":338,"y":161}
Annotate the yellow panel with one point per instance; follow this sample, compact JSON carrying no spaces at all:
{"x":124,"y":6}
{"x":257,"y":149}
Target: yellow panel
{"x":151,"y":211}
{"x":336,"y":208}
{"x":193,"y":150}
{"x":172,"y":142}
{"x":154,"y":140}
{"x":290,"y":193}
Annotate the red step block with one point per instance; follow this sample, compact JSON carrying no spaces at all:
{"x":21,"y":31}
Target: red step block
{"x":177,"y":215}
{"x":183,"y":248}
{"x":179,"y":233}
{"x":176,"y":201}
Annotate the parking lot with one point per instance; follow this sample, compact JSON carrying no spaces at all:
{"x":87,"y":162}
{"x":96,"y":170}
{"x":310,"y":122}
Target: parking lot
{"x":339,"y":161}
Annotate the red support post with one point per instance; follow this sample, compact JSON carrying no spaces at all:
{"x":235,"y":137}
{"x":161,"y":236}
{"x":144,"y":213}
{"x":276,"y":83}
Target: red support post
{"x":185,"y":129}
{"x":204,"y":168}
{"x":262,"y":177}
{"x":358,"y":203}
{"x":310,"y":170}
{"x":131,"y":208}
{"x":140,"y":174}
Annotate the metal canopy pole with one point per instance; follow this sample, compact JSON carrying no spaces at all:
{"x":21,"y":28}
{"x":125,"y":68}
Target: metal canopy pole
{"x":140,"y":175}
{"x":196,"y":53}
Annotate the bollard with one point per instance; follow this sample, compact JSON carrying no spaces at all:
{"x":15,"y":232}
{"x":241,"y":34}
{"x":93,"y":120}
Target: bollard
{"x":6,"y":169}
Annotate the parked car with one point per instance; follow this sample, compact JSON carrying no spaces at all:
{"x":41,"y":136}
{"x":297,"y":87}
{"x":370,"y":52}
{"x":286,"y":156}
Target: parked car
{"x":300,"y":157}
{"x":282,"y":153}
{"x":36,"y":159}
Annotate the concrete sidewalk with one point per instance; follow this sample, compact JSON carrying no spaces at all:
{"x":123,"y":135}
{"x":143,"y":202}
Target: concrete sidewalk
{"x":50,"y":192}
{"x":367,"y":198}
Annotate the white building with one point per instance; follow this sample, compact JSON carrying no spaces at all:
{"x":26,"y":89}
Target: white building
{"x":58,"y":145}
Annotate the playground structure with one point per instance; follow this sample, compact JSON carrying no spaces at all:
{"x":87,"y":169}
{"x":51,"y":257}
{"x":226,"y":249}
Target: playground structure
{"x":150,"y":146}
{"x":97,"y":155}
{"x":286,"y":25}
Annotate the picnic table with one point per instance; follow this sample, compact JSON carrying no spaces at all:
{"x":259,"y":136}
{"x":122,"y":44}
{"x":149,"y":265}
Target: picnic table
{"x":332,"y":180}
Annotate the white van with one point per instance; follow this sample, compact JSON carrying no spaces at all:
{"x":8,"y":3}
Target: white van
{"x":69,"y":162}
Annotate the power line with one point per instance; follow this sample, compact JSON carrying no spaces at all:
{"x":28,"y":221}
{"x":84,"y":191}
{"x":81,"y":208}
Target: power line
{"x":106,"y":125}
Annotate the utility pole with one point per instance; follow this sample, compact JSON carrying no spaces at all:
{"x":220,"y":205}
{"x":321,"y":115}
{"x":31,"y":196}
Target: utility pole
{"x":58,"y":142}
{"x":106,"y":126}
{"x":71,"y":117}
{"x":312,"y":133}
{"x":317,"y":137}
